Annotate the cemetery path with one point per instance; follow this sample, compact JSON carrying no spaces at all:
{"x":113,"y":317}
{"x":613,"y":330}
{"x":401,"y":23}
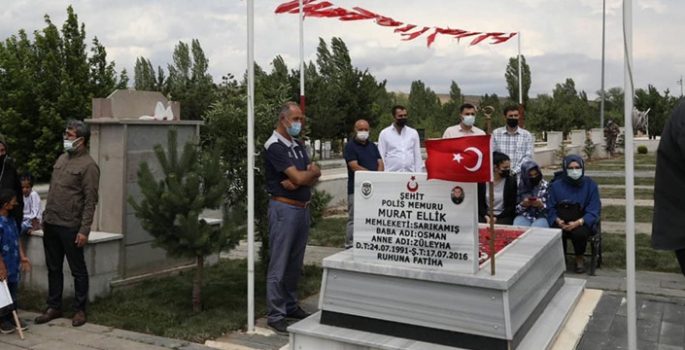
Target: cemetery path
{"x":60,"y":335}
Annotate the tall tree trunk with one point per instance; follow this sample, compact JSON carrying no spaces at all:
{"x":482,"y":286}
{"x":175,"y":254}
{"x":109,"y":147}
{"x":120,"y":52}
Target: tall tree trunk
{"x":197,"y":285}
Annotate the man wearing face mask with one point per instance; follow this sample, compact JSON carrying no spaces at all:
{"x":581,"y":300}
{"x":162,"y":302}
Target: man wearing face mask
{"x":467,"y":114}
{"x":399,"y":145}
{"x":289,"y":177}
{"x":514,"y":141}
{"x":67,"y":220}
{"x":360,"y":154}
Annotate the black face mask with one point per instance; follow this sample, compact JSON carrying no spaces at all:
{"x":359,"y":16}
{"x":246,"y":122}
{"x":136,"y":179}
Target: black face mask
{"x":401,"y":122}
{"x":534,"y":181}
{"x":505,"y":173}
{"x":512,"y":123}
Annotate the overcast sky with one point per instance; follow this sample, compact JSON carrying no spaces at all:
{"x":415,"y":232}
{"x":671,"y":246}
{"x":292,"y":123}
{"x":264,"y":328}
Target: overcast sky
{"x":560,"y":38}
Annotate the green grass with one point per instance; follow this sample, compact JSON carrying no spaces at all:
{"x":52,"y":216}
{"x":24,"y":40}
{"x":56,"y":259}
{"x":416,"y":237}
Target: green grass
{"x":639,"y":181}
{"x":646,"y":258}
{"x":162,"y":306}
{"x":617,"y":213}
{"x":621,"y":193}
{"x":329,"y":232}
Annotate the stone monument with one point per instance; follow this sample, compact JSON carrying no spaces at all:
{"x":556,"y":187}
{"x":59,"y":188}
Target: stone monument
{"x":415,"y":280}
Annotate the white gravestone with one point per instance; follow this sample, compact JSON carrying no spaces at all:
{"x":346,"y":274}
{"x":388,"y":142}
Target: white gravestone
{"x":406,"y":220}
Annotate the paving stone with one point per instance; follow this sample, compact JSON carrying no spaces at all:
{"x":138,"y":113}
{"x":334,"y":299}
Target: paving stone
{"x":618,"y":334}
{"x":59,"y":345}
{"x":648,"y":330}
{"x":71,"y":335}
{"x":110,"y":343}
{"x":4,"y":346}
{"x":672,"y":334}
{"x":669,"y":347}
{"x":650,"y":310}
{"x":604,"y":313}
{"x":275,"y":340}
{"x":674,"y":314}
{"x":646,"y":345}
{"x":148,"y":339}
{"x":30,"y":339}
{"x":592,"y":341}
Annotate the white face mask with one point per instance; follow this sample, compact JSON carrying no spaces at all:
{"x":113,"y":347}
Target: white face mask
{"x":362,"y":135}
{"x":574,"y":173}
{"x":69,"y":144}
{"x":469,"y":120}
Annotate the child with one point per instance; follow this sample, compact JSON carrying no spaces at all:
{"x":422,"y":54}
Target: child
{"x":12,"y":258}
{"x":32,"y":209}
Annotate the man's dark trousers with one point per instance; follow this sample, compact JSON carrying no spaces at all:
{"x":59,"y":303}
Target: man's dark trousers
{"x":288,"y":234}
{"x":59,"y":241}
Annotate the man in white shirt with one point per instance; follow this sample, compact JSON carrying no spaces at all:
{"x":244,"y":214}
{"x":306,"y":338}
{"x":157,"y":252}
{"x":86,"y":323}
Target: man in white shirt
{"x":514,"y":141}
{"x":399,"y":145}
{"x":467,"y":114}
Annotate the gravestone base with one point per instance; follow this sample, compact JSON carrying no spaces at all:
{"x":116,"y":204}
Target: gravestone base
{"x":369,"y":305}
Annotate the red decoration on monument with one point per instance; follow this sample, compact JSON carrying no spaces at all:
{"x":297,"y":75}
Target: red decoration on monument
{"x":323,"y":10}
{"x":464,"y":159}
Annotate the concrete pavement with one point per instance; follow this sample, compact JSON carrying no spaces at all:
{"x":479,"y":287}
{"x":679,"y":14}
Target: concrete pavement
{"x":60,"y":335}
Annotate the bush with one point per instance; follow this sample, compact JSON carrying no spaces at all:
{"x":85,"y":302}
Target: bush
{"x":642,"y":149}
{"x":589,"y":148}
{"x":318,"y":204}
{"x":561,"y":152}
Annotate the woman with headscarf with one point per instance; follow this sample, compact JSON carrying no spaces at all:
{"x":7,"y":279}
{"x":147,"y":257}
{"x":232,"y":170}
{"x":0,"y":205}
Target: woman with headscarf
{"x":532,"y":197}
{"x":505,"y":193}
{"x":574,"y":206}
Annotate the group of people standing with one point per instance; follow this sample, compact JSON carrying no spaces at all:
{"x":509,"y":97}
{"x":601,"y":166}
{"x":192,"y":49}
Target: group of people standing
{"x":65,"y":223}
{"x":521,"y":195}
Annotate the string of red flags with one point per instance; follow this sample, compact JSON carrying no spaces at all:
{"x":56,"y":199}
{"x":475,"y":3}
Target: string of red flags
{"x":408,"y":31}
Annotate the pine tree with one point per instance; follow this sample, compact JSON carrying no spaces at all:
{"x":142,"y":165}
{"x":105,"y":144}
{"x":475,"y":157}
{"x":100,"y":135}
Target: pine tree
{"x":171,"y":207}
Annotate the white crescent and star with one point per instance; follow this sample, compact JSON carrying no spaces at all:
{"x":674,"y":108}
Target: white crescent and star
{"x":458,"y":158}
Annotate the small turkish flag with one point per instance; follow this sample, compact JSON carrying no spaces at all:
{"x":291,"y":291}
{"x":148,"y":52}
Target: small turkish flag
{"x":463,"y":159}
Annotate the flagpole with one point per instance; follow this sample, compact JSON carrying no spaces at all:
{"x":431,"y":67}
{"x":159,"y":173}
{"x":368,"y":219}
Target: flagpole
{"x":520,"y":81}
{"x":630,"y":180}
{"x":302,"y":101}
{"x":250,"y":166}
{"x":488,"y":110}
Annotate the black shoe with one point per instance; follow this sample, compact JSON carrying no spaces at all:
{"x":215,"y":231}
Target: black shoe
{"x":299,"y":314}
{"x":7,"y":327}
{"x":280,"y":327}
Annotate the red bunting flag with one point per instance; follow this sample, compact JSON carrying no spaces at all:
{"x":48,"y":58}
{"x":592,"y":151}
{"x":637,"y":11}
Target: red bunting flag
{"x":464,"y":159}
{"x":323,"y":9}
{"x":288,"y":6}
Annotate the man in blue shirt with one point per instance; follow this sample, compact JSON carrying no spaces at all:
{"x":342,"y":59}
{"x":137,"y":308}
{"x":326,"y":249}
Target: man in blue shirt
{"x":360,"y":154}
{"x":289,"y":178}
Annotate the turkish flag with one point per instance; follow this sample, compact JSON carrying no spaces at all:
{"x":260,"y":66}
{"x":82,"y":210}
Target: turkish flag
{"x":463,"y":159}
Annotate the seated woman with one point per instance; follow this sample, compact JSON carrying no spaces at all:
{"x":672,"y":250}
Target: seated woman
{"x":574,"y":206}
{"x":505,"y":193}
{"x":532,"y":197}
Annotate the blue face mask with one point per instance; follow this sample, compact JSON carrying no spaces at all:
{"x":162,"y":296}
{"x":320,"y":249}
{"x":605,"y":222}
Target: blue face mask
{"x":69,"y":144}
{"x":575,"y":174}
{"x":295,"y":128}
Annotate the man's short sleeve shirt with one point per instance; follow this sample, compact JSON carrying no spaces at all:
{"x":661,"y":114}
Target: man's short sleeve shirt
{"x":282,"y":154}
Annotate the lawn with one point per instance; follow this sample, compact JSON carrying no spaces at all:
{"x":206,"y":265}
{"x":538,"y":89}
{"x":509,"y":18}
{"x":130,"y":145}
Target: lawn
{"x":646,"y":258}
{"x":162,"y":306}
{"x":329,"y":232}
{"x":639,"y":181}
{"x":617,"y":213}
{"x":640,"y":193}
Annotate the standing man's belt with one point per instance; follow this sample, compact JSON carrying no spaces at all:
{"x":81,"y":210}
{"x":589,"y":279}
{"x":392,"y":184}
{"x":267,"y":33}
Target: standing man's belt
{"x":290,"y":201}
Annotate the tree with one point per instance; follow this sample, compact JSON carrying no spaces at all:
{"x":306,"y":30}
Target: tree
{"x":450,"y":110}
{"x":660,"y":107}
{"x":43,"y":82}
{"x":613,"y":105}
{"x":512,"y":78}
{"x":189,"y":82}
{"x":424,"y":109}
{"x":171,"y":207}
